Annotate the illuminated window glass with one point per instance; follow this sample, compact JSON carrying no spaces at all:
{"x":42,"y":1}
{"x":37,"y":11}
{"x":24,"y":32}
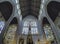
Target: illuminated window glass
{"x":33,"y":23}
{"x":2,"y":23}
{"x":25,"y":27}
{"x":25,"y":30}
{"x":26,"y":23}
{"x":34,"y":31}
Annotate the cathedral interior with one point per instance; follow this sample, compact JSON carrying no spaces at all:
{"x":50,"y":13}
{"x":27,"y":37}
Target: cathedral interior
{"x":29,"y":21}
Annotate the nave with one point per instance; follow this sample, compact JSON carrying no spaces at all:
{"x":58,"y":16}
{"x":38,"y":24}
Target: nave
{"x":22,"y":26}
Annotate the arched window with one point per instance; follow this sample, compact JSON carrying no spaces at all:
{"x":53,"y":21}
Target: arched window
{"x":33,"y":24}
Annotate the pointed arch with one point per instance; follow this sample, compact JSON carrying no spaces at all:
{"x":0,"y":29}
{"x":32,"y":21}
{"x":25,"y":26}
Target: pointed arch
{"x":12,"y":29}
{"x":47,"y":29}
{"x":53,"y":10}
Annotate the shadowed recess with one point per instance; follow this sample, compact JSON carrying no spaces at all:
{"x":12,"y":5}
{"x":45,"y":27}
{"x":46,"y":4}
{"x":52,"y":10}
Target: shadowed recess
{"x":6,"y":8}
{"x":53,"y":9}
{"x":14,"y":21}
{"x":45,"y":21}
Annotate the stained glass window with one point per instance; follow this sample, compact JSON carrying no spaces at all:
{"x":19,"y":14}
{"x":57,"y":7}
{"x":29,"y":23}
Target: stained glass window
{"x":34,"y":30}
{"x":25,"y":30}
{"x":26,"y":23}
{"x":2,"y":23}
{"x":33,"y":24}
{"x":25,"y":27}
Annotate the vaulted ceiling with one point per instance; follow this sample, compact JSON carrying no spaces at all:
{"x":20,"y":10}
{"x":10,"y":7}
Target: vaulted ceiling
{"x":30,"y":7}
